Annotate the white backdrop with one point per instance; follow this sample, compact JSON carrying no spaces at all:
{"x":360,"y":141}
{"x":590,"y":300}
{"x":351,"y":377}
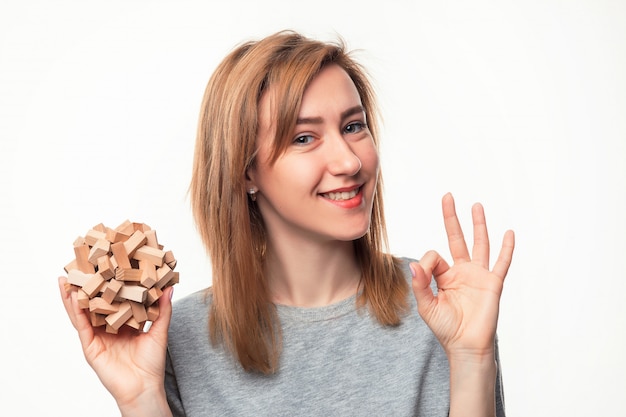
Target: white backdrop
{"x":519,"y":105}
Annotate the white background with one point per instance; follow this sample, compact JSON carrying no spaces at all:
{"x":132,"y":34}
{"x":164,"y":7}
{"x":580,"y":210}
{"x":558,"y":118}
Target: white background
{"x":519,"y":105}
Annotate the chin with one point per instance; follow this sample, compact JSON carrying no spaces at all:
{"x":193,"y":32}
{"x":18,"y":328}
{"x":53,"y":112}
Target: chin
{"x":355,"y":235}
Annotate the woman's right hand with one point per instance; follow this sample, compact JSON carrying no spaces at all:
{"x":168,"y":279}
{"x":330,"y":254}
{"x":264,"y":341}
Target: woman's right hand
{"x":130,"y":364}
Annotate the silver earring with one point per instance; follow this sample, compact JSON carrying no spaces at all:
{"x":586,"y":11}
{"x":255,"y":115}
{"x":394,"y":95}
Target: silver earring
{"x":252,"y":193}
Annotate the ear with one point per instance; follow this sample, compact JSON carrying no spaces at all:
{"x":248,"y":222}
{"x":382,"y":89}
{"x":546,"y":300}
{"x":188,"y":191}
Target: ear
{"x":251,"y":178}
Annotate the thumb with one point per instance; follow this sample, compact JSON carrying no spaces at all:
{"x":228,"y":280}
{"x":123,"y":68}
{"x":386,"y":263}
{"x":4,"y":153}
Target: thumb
{"x":161,"y":324}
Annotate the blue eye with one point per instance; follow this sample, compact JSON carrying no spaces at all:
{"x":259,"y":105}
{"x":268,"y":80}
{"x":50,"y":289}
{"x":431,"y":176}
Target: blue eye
{"x":303,"y":140}
{"x":354,"y":127}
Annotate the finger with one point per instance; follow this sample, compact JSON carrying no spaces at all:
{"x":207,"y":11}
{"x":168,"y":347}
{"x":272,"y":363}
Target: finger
{"x":433,"y":264}
{"x":421,"y":287}
{"x":501,"y":267}
{"x":456,"y":240}
{"x":160,"y":325}
{"x":480,"y":251}
{"x":79,"y":318}
{"x":67,"y":300}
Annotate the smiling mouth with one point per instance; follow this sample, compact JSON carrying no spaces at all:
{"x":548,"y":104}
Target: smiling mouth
{"x":343,"y":195}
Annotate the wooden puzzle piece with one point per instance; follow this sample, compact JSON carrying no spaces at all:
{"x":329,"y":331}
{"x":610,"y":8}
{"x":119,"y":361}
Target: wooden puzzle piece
{"x":119,"y":275}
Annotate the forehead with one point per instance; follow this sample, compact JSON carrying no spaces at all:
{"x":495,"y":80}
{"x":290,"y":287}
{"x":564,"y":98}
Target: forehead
{"x":331,"y":89}
{"x":331,"y":86}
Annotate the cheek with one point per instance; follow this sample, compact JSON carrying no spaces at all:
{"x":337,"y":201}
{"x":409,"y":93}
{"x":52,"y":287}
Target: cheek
{"x":290,"y":174}
{"x":369,"y":158}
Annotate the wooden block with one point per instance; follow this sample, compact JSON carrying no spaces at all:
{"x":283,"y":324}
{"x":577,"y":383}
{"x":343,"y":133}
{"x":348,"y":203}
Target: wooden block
{"x":153,"y":312}
{"x":115,"y":236}
{"x":153,"y":255}
{"x":113,"y":262}
{"x":126,"y":228}
{"x":142,"y":227}
{"x":100,"y":306}
{"x":82,"y":259}
{"x":135,"y":241}
{"x":97,"y":320}
{"x":110,"y":329}
{"x":99,"y":249}
{"x":121,"y":256}
{"x":139,"y":311}
{"x":72,"y":265}
{"x":117,"y":319}
{"x":164,"y":275}
{"x":78,"y":278}
{"x":151,"y":239}
{"x":79,"y":241}
{"x":99,"y":228}
{"x":93,"y":285}
{"x":110,"y":290}
{"x":83,"y":299}
{"x":105,"y":267}
{"x":133,"y":293}
{"x":132,"y":322}
{"x":92,"y":236}
{"x":175,"y":279}
{"x":153,"y":295}
{"x":149,"y":275}
{"x":169,"y":259}
{"x":128,"y":275}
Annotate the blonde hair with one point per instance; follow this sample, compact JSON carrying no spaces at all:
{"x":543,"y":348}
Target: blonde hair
{"x":242,"y":315}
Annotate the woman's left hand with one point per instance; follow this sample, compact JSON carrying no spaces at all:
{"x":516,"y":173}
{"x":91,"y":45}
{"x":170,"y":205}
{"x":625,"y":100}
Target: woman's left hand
{"x":463,"y":314}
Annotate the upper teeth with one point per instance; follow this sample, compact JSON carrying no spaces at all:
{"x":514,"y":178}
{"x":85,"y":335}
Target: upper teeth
{"x":344,"y":195}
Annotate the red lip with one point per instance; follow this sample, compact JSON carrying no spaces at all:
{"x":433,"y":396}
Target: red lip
{"x":354,"y":202}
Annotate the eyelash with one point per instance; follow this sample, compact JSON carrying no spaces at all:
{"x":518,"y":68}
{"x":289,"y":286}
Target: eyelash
{"x":361,"y":126}
{"x":297,"y":141}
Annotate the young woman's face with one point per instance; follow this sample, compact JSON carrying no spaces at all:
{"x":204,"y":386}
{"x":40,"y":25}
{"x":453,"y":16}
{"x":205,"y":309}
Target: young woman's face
{"x":322,"y":187}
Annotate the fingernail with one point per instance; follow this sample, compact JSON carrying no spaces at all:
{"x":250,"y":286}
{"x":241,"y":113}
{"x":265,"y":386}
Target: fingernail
{"x":171,"y":292}
{"x":412,"y":268}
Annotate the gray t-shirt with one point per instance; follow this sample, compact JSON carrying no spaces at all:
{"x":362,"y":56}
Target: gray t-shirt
{"x":336,"y":361}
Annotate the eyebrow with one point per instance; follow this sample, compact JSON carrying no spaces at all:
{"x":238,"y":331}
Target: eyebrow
{"x":317,"y":120}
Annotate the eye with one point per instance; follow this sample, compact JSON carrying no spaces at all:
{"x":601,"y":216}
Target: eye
{"x":303,"y":140}
{"x":354,"y":127}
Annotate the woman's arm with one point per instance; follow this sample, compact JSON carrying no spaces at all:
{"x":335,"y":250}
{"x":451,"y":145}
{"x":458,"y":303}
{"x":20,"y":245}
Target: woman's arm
{"x":130,"y":364}
{"x":464,"y":312}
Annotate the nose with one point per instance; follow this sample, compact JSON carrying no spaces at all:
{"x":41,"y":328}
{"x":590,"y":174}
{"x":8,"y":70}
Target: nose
{"x":342,"y":160}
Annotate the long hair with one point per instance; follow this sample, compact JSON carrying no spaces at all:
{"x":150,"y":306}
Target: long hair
{"x":242,"y":315}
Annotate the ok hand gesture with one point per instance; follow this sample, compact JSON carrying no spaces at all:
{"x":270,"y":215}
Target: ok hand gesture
{"x":463,"y":314}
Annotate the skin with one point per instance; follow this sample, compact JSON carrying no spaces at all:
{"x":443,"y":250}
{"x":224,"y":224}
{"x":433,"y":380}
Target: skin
{"x":310,"y":252}
{"x":464,"y":314}
{"x":311,"y":261}
{"x":131,"y":365}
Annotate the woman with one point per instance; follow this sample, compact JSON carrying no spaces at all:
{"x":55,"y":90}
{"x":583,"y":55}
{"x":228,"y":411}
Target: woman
{"x":307,"y":314}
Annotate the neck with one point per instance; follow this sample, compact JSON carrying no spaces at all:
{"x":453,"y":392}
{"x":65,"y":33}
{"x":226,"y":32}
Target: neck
{"x":311,"y":274}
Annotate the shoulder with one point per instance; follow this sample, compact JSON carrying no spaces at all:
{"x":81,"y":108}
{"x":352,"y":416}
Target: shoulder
{"x":190,"y":309}
{"x":200,"y":299}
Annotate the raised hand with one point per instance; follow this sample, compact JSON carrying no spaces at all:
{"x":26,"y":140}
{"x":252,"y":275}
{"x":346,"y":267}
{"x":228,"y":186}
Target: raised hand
{"x":130,"y":364}
{"x":464,"y":313}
